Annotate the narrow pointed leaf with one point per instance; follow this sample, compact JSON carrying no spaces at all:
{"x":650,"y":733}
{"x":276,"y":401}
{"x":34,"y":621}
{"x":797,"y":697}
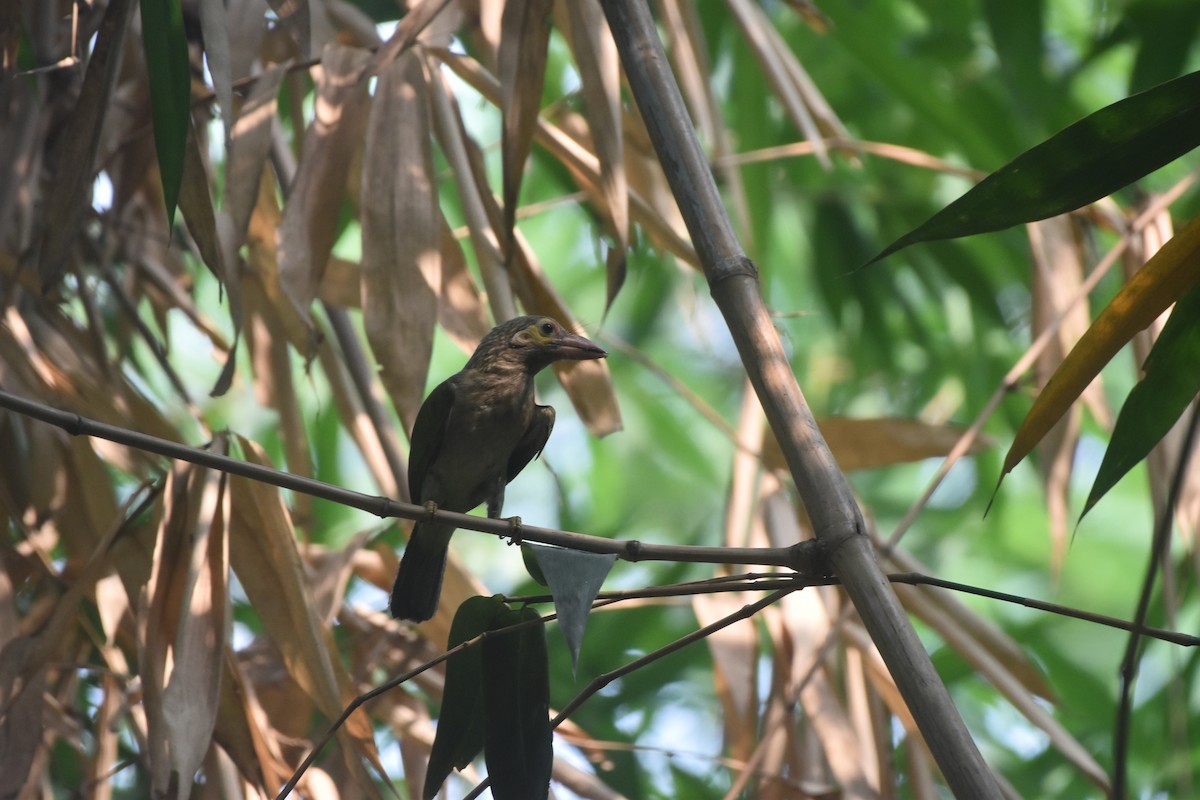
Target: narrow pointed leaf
{"x":401,"y":233}
{"x":459,"y":735}
{"x":516,"y":708}
{"x":600,"y":79}
{"x":213,"y":233}
{"x":1164,"y":279}
{"x":524,"y":39}
{"x":1171,"y":382}
{"x":574,"y":578}
{"x":310,"y":220}
{"x":1090,"y":159}
{"x":166,"y":48}
{"x":214,"y":23}
{"x":70,"y":191}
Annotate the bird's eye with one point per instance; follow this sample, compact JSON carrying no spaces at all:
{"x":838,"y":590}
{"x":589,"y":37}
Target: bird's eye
{"x":547,"y":328}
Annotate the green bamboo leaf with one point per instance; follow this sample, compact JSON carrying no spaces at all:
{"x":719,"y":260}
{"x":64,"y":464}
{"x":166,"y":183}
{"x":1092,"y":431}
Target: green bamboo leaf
{"x":166,"y":48}
{"x":1171,"y":382}
{"x":516,"y":708}
{"x":1080,"y":164}
{"x":459,"y":736}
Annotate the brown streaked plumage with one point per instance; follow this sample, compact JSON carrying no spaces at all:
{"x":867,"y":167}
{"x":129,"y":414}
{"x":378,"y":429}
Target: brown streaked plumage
{"x":474,"y":433}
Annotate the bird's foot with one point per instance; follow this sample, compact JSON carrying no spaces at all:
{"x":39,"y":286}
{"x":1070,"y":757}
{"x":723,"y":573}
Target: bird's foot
{"x":431,"y":508}
{"x":515,"y":536}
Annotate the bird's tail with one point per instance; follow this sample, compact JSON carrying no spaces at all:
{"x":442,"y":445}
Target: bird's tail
{"x":418,"y":584}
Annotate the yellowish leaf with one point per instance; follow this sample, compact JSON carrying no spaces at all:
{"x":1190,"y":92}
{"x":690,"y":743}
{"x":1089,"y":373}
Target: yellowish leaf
{"x":1165,"y":278}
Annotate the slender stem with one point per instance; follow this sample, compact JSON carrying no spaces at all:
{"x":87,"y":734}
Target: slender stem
{"x":803,"y":557}
{"x":1162,"y":530}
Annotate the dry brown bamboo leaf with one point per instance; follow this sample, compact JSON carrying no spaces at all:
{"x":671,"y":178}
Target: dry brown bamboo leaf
{"x":249,"y":145}
{"x":107,"y":732}
{"x":416,"y":20}
{"x":247,"y":20}
{"x":159,"y":616}
{"x":879,"y":442}
{"x":600,"y":76}
{"x":856,"y":636}
{"x":585,"y":167}
{"x":287,"y":709}
{"x":274,"y":388}
{"x":341,"y":283}
{"x":653,"y":205}
{"x":329,"y":571}
{"x":306,"y":235}
{"x":20,"y":140}
{"x":807,"y":624}
{"x":524,"y":42}
{"x":401,"y":230}
{"x":214,"y":28}
{"x":306,"y":21}
{"x":86,"y":502}
{"x":743,"y":523}
{"x":70,"y":191}
{"x":466,"y":165}
{"x":920,"y":774}
{"x":244,"y":731}
{"x":1058,"y":273}
{"x":689,"y":55}
{"x":839,"y":741}
{"x":763,"y":40}
{"x":9,"y":620}
{"x":460,"y":306}
{"x":264,"y":556}
{"x":735,"y":654}
{"x":21,"y":725}
{"x":261,"y":283}
{"x":870,"y":728}
{"x":380,"y":455}
{"x":213,"y":234}
{"x":27,"y":477}
{"x":192,"y":696}
{"x":24,"y":659}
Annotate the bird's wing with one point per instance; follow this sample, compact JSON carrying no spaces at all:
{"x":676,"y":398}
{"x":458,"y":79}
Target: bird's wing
{"x":428,"y":432}
{"x":532,"y":442}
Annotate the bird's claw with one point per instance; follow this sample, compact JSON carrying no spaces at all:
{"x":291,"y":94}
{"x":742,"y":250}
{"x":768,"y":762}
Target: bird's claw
{"x":515,"y":536}
{"x":431,"y":508}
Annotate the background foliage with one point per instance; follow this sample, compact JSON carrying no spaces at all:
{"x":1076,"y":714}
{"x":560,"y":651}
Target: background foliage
{"x":161,"y":621}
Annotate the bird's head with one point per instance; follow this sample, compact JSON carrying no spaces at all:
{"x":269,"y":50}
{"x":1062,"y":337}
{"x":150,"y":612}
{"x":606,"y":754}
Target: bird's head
{"x":534,"y":343}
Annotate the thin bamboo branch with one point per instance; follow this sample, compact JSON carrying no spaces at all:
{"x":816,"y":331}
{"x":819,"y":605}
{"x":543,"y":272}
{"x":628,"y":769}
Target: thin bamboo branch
{"x":803,"y":557}
{"x":837,"y":521}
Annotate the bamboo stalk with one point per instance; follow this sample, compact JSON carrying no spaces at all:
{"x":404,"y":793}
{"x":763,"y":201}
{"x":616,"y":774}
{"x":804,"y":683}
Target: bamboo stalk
{"x":733,"y":281}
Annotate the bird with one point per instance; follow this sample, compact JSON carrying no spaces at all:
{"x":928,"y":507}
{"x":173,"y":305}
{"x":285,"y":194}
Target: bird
{"x":473,"y":434}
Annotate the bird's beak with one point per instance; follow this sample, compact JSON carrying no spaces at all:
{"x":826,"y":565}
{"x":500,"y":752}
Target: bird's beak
{"x":571,"y":347}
